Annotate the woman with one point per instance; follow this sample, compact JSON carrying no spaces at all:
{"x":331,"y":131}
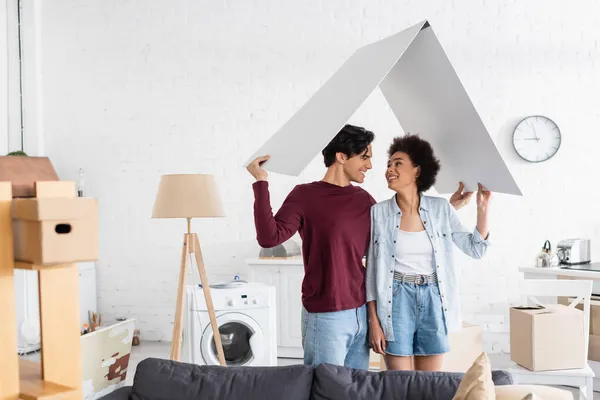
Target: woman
{"x":412,"y":289}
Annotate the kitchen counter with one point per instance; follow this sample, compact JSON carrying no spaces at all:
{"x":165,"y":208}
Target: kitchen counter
{"x":588,"y":272}
{"x":555,"y":272}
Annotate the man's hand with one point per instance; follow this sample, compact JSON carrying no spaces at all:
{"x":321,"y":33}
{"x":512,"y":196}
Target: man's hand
{"x":376,"y":337}
{"x":460,"y":199}
{"x":256,"y":170}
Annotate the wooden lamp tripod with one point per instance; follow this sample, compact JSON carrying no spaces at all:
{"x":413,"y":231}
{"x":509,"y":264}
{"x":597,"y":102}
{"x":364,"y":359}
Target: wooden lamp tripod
{"x":190,"y":196}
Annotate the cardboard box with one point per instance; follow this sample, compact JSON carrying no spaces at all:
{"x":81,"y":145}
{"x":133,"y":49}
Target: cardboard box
{"x":375,"y":362}
{"x":548,"y":338}
{"x":594,"y":337}
{"x":55,"y":230}
{"x":594,"y":313}
{"x":465,"y":346}
{"x":594,"y":348}
{"x":594,"y":340}
{"x":24,"y":171}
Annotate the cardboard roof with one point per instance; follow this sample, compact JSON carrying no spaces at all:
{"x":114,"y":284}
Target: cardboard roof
{"x":426,"y":97}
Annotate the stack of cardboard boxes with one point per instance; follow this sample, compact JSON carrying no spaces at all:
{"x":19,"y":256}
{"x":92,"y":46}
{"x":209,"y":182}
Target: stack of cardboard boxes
{"x":594,"y":334}
{"x":594,"y":350}
{"x":594,"y":346}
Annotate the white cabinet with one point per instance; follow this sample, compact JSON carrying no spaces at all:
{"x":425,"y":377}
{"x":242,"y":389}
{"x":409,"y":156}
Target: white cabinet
{"x":286,"y":276}
{"x":88,"y":301}
{"x":27,"y":304}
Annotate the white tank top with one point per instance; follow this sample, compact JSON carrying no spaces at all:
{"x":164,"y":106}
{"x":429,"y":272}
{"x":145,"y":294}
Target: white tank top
{"x":414,"y":253}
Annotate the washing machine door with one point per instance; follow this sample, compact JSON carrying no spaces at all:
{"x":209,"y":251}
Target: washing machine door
{"x":241,"y":337}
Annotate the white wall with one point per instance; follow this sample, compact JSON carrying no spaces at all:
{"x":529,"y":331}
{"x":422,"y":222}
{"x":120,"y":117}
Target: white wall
{"x":3,"y":80}
{"x":136,"y":89}
{"x":10,"y":108}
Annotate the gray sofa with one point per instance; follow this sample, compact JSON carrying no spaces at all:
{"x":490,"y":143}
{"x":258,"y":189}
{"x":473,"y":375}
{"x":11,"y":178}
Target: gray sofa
{"x":157,"y":379}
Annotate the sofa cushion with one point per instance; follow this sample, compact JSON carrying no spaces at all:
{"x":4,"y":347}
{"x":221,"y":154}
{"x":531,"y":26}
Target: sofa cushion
{"x":332,"y":382}
{"x":157,"y":379}
{"x":477,"y":383}
{"x":119,"y":394}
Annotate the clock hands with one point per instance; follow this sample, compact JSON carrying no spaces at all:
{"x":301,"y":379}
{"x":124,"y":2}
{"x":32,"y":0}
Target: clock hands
{"x":534,"y":132}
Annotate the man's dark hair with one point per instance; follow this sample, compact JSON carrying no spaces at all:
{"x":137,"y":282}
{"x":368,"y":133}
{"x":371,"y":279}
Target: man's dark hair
{"x":351,"y":140}
{"x":421,"y":154}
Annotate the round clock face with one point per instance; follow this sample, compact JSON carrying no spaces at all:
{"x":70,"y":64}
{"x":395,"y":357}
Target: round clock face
{"x":536,"y":138}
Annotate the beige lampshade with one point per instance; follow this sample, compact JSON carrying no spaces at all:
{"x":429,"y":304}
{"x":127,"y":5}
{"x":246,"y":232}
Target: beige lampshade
{"x":187,"y":196}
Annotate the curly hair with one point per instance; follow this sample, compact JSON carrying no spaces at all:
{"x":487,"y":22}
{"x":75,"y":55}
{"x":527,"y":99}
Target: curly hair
{"x":350,"y":140}
{"x":421,"y":155}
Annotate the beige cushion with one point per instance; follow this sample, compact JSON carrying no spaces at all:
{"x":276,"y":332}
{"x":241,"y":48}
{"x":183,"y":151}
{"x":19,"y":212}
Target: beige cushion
{"x":532,"y":396}
{"x":477,"y":382}
{"x":537,"y":392}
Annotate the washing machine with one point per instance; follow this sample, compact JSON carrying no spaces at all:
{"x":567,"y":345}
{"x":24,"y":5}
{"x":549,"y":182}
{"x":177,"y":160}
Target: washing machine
{"x":246,"y":318}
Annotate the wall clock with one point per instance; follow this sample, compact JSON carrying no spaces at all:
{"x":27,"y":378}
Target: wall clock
{"x":536,"y":138}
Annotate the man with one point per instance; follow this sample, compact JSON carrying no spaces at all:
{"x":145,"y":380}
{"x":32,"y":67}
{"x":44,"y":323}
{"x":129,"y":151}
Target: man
{"x":333,"y":219}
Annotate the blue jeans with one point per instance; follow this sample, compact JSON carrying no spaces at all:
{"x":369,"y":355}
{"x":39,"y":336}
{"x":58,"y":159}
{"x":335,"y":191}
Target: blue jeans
{"x":417,"y":320}
{"x":339,"y":338}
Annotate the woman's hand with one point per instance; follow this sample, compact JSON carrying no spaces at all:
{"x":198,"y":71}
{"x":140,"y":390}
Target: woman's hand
{"x":376,"y":337}
{"x":483,"y":197}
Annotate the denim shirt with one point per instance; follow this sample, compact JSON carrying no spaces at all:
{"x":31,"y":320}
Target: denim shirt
{"x":444,"y":230}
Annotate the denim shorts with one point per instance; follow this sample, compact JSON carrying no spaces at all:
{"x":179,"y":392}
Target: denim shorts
{"x":417,"y":320}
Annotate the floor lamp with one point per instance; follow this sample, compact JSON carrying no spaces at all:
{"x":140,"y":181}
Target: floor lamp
{"x":190,"y":196}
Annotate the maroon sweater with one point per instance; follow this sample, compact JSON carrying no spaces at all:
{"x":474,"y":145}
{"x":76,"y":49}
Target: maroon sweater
{"x":334,"y":224}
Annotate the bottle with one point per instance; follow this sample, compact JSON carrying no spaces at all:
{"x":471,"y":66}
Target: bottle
{"x":85,"y":329}
{"x":135,"y":341}
{"x":80,"y":183}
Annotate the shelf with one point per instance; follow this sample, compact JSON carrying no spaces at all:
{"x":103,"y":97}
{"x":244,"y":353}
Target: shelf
{"x":34,"y":388}
{"x":37,"y":267}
